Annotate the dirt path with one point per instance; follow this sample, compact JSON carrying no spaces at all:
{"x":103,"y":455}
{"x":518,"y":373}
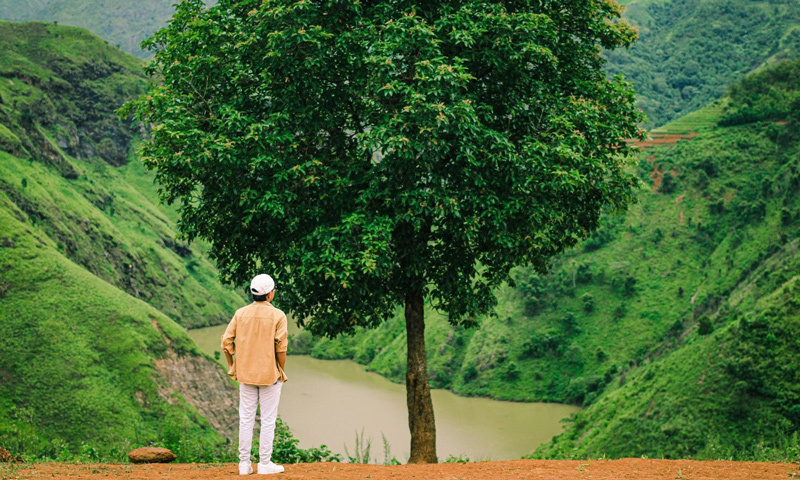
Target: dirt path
{"x":659,"y":138}
{"x":631,"y":468}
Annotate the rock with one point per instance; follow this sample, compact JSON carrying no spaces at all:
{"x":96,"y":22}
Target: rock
{"x":151,"y":455}
{"x":8,"y":457}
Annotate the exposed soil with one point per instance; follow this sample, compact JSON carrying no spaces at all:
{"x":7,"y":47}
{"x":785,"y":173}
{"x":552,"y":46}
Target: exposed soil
{"x":657,"y":139}
{"x":630,"y":468}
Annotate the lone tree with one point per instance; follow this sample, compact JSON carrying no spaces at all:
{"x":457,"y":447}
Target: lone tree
{"x":372,"y":154}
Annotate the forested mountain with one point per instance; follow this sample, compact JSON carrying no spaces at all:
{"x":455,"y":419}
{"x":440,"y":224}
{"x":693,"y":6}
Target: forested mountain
{"x":92,"y":281}
{"x":689,"y":51}
{"x":122,"y":23}
{"x":675,"y":322}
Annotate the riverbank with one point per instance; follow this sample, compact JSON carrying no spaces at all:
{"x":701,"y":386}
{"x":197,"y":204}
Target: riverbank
{"x":634,"y":468}
{"x":331,"y":402}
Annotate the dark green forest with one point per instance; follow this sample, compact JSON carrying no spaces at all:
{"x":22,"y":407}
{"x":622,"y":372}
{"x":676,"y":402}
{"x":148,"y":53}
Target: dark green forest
{"x":689,"y":51}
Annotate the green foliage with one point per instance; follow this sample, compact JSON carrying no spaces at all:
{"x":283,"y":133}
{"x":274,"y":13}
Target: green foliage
{"x":390,"y":152}
{"x":668,"y":183}
{"x":704,"y":325}
{"x":285,"y":449}
{"x":456,"y":459}
{"x":424,"y":164}
{"x":588,"y":302}
{"x":772,"y":94}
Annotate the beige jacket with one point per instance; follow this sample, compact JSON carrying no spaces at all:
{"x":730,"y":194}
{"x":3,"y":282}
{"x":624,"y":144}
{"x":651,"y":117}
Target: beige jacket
{"x":256,"y":333}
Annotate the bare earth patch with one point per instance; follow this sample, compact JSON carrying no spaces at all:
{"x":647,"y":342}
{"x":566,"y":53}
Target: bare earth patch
{"x":630,"y":468}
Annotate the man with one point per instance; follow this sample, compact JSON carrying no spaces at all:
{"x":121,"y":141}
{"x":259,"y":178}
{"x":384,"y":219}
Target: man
{"x":258,"y":338}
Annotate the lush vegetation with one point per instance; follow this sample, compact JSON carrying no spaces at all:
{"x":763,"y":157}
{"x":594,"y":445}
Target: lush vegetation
{"x":77,"y":357}
{"x":674,"y":322}
{"x":689,"y":51}
{"x":60,"y":88}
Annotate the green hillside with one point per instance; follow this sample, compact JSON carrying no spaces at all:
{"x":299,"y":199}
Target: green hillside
{"x":689,"y":51}
{"x":77,"y":358}
{"x":60,"y":88}
{"x":122,"y":23}
{"x":728,"y":382}
{"x":85,"y":362}
{"x":616,"y":325}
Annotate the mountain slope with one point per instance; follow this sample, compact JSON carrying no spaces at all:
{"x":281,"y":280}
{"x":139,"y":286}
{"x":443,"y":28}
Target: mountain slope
{"x":60,"y":88}
{"x":123,"y":24}
{"x":730,"y":384}
{"x":83,"y":364}
{"x":689,"y":51}
{"x":87,"y":369}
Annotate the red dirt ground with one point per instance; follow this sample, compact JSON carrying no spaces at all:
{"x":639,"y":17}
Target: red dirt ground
{"x":630,"y":468}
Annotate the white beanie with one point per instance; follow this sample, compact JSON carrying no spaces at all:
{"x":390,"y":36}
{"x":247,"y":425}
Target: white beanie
{"x":262,"y":284}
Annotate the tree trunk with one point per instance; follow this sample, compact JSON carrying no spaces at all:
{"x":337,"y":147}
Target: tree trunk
{"x":418,"y":390}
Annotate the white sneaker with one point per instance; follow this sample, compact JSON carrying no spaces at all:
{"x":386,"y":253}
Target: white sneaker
{"x":245,"y":468}
{"x":269,"y":468}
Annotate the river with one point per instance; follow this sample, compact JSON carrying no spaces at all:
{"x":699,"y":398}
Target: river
{"x":330,"y":401}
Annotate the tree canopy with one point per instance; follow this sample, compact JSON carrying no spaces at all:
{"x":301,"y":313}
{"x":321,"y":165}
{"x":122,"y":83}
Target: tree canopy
{"x":370,"y":154}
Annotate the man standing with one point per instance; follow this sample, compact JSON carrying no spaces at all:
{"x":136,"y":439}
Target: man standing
{"x":258,"y":337}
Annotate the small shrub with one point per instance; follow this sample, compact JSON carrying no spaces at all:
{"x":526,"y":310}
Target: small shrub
{"x":570,"y":324}
{"x":511,"y":372}
{"x":469,"y":373}
{"x":459,"y":459}
{"x":668,"y":183}
{"x":588,"y":302}
{"x":601,"y":355}
{"x":629,"y":287}
{"x":704,"y":326}
{"x":676,"y":328}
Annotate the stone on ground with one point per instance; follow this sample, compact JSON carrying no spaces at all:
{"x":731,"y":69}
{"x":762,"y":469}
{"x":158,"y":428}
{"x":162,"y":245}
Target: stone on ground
{"x":151,"y":455}
{"x":8,"y":457}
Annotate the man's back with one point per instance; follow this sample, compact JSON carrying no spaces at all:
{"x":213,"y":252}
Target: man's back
{"x":257,"y":332}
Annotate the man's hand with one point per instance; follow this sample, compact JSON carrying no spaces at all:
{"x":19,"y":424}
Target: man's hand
{"x":281,"y":358}
{"x":231,"y":368}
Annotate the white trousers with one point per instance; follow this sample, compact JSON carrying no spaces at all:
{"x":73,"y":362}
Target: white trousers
{"x":249,"y":398}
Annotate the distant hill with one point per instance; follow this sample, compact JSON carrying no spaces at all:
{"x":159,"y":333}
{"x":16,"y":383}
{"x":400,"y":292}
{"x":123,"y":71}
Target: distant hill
{"x":674,"y":322}
{"x":93,"y":284}
{"x":123,"y":24}
{"x":689,"y":51}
